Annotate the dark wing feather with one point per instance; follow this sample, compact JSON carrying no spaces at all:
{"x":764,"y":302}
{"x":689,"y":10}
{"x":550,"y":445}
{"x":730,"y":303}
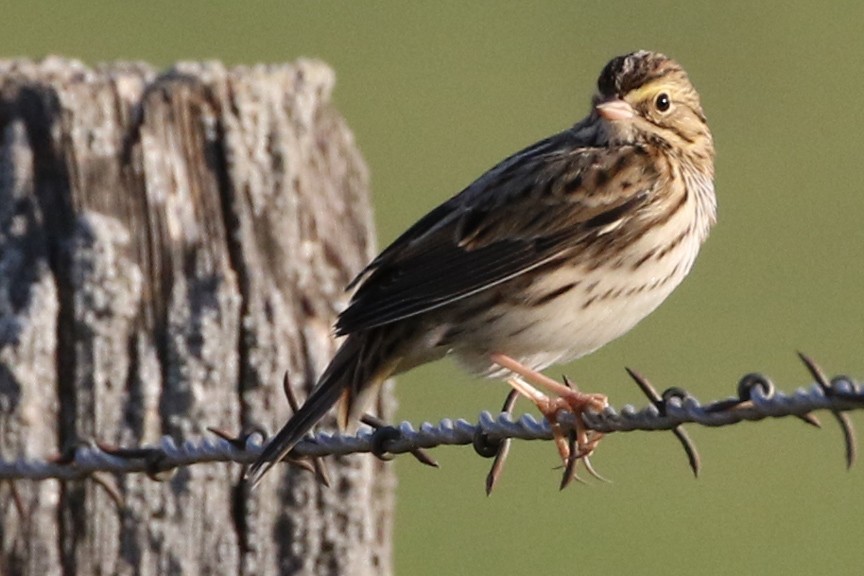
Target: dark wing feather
{"x":518,"y":216}
{"x":450,"y":273}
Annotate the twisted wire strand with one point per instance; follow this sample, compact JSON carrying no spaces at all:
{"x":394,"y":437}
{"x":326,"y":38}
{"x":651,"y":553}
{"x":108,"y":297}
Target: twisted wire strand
{"x":756,"y":400}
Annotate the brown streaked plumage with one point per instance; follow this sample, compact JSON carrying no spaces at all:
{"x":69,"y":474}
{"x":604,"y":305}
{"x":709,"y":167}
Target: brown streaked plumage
{"x":554,"y":252}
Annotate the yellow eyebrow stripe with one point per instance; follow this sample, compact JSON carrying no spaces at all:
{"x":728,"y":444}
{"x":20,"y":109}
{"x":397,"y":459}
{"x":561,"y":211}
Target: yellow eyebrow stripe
{"x":649,"y":89}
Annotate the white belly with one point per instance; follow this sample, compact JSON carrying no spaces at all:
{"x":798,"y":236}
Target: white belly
{"x":606,"y":304}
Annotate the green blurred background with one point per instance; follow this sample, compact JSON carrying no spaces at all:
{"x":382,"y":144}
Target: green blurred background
{"x":438,"y":92}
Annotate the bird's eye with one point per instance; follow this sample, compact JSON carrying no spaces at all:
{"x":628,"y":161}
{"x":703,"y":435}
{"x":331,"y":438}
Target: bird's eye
{"x":662,"y":102}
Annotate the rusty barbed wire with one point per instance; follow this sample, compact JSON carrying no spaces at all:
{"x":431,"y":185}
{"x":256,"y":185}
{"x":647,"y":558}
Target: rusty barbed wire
{"x":756,"y":399}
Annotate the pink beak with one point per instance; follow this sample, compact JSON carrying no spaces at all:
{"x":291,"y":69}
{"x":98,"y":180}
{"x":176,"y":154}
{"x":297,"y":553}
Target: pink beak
{"x":615,"y":110}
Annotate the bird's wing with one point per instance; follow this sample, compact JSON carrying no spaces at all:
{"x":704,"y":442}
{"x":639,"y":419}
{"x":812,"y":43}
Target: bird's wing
{"x":537,"y":207}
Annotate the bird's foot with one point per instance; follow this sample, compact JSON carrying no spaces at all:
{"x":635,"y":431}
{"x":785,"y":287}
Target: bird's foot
{"x":572,"y":447}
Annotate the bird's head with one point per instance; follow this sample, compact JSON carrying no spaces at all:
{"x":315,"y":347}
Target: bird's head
{"x":647,"y":97}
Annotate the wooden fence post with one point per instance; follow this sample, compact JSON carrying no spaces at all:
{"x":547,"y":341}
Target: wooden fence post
{"x":170,"y":244}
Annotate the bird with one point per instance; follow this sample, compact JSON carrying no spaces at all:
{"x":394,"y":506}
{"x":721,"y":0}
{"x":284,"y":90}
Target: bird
{"x":555,"y":251}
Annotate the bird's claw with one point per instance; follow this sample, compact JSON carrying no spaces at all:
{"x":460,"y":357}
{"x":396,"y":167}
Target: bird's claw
{"x":568,"y":400}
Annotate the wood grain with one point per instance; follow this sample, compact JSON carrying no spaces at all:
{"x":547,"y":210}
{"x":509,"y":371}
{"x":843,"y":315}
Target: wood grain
{"x":170,"y":244}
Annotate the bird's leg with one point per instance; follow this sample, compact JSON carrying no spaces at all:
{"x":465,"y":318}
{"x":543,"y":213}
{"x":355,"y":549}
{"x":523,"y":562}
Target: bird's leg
{"x":565,"y":398}
{"x":549,"y":408}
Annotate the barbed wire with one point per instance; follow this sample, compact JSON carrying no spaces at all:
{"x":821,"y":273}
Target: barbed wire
{"x":756,"y":399}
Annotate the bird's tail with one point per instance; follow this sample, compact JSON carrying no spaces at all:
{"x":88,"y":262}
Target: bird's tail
{"x":356,"y":371}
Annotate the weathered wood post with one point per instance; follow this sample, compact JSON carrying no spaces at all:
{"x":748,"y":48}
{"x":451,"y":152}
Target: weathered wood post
{"x":169,"y":245}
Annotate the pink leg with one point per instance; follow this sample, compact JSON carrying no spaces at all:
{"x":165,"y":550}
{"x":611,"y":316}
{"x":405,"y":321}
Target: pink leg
{"x":566,"y":399}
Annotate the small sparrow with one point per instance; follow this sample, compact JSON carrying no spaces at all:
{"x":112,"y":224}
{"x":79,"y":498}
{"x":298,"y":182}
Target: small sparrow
{"x":552,"y":253}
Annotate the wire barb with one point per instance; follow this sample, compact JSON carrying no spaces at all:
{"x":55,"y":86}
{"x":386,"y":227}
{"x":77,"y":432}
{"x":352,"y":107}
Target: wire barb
{"x":842,"y":419}
{"x":660,"y":403}
{"x":385,"y":434}
{"x":502,"y":445}
{"x":314,"y":465}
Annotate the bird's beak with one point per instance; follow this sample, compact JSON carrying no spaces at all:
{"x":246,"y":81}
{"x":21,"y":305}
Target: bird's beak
{"x":615,"y":109}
